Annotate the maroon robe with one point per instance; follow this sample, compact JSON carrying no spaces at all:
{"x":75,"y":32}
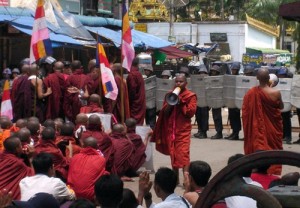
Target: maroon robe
{"x":12,"y":171}
{"x":123,"y":159}
{"x":21,"y":98}
{"x":91,"y":108}
{"x":72,"y":104}
{"x":54,"y":106}
{"x":137,"y":95}
{"x":60,"y":162}
{"x":104,"y":143}
{"x":140,"y":148}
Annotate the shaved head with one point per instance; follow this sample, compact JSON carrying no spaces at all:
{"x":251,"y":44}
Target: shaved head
{"x":118,"y":128}
{"x":21,"y":123}
{"x":33,"y":69}
{"x":95,"y":98}
{"x":92,"y":64}
{"x":81,"y":118}
{"x":94,"y":119}
{"x":33,"y":126}
{"x":58,"y":66}
{"x":181,"y":76}
{"x":25,"y":69}
{"x":24,"y":135}
{"x":5,"y":122}
{"x":90,"y":142}
{"x":263,"y":75}
{"x":12,"y":144}
{"x":32,"y":118}
{"x":130,"y":123}
{"x":116,"y":68}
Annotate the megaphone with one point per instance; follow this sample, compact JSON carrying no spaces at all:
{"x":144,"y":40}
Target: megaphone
{"x":172,"y":97}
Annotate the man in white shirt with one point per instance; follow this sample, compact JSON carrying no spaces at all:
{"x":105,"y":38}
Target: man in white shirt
{"x":165,"y":182}
{"x":43,"y":181}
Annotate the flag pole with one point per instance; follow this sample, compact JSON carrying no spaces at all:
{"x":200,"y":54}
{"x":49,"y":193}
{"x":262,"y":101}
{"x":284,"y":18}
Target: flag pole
{"x":100,"y":78}
{"x":122,"y":79}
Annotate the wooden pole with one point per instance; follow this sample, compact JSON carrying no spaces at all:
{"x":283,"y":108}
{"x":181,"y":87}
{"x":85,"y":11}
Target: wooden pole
{"x":122,"y":82}
{"x":100,"y":77}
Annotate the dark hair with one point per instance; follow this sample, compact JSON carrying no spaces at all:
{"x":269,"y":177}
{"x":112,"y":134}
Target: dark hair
{"x":42,"y":162}
{"x":166,"y":179}
{"x":82,"y":203}
{"x":200,"y":171}
{"x":135,"y":62}
{"x":48,"y":133}
{"x":109,"y":190}
{"x":129,"y":200}
{"x":245,"y":173}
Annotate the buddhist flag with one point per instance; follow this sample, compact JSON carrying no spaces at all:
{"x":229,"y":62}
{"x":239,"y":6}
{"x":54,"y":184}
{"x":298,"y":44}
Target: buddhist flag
{"x":6,"y":107}
{"x":109,"y":85}
{"x":127,"y":44}
{"x":40,"y":45}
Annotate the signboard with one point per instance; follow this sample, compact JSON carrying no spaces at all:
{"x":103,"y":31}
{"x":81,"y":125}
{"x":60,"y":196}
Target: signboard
{"x":252,"y":59}
{"x":141,"y":27}
{"x":218,"y":37}
{"x":284,"y":58}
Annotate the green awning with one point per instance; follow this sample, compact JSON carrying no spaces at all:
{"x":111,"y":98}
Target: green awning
{"x":265,"y":51}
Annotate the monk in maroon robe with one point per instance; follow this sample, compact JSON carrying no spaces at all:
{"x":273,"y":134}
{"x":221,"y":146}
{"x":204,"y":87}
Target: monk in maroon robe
{"x":172,"y":132}
{"x":94,"y":129}
{"x":66,"y":142}
{"x":78,"y":88}
{"x":136,"y":93}
{"x":47,"y":144}
{"x":123,"y":158}
{"x":94,"y":105}
{"x":140,"y":148}
{"x":85,"y":169}
{"x":262,"y":121}
{"x":12,"y":168}
{"x":55,"y":80}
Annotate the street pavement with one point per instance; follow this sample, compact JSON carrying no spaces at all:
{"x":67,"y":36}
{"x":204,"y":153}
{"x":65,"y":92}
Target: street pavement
{"x":214,"y":152}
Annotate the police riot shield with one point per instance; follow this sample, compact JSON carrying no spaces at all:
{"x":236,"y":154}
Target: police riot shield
{"x":295,"y":92}
{"x":198,"y":87}
{"x":163,"y":86}
{"x":150,"y":88}
{"x":214,"y":91}
{"x":235,"y":88}
{"x":285,"y":86}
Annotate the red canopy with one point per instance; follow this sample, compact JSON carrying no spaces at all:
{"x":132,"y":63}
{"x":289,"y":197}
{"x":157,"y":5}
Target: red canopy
{"x":290,"y":11}
{"x":174,"y":53}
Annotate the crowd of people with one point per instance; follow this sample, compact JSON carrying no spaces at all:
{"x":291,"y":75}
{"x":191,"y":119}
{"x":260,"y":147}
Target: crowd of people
{"x":55,"y":151}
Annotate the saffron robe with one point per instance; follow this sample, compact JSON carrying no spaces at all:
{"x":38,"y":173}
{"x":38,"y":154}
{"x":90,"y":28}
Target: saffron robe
{"x":54,"y":105}
{"x":172,"y":132}
{"x":139,"y":155}
{"x":61,"y":164}
{"x":72,"y":104}
{"x":123,"y":157}
{"x":12,"y":171}
{"x":136,"y":95}
{"x":105,"y":144}
{"x":87,"y":166}
{"x":262,"y":123}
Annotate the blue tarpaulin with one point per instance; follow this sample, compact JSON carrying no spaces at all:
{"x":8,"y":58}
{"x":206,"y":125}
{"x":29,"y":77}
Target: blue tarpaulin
{"x":140,"y":39}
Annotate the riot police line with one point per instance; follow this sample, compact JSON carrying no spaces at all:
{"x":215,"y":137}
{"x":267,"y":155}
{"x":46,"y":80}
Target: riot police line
{"x":220,"y":91}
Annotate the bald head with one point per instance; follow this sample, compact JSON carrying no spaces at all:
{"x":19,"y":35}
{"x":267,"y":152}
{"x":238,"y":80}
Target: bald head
{"x":90,"y":142}
{"x":58,"y":66}
{"x":118,"y":128}
{"x":33,"y":126}
{"x":181,"y":76}
{"x":67,"y":129}
{"x":25,"y":69}
{"x":21,"y":123}
{"x":81,"y":118}
{"x":33,"y":69}
{"x":117,"y":68}
{"x":48,"y":134}
{"x":76,"y":64}
{"x":12,"y":145}
{"x":33,"y":118}
{"x":95,"y":98}
{"x":5,"y":123}
{"x":263,"y":75}
{"x":130,"y":123}
{"x":24,"y":135}
{"x":49,"y":123}
{"x":94,"y":119}
{"x":92,"y":64}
